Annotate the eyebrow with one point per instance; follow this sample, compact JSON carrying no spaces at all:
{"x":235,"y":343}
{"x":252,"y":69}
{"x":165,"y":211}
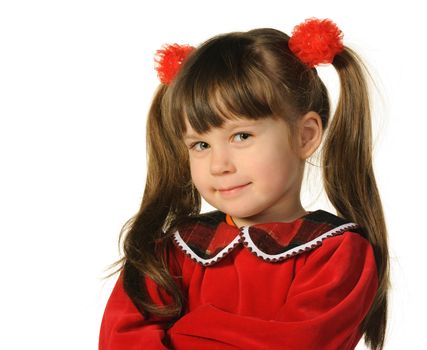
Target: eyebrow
{"x":232,"y":125}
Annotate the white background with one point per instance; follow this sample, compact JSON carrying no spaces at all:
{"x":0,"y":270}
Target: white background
{"x":76,"y":81}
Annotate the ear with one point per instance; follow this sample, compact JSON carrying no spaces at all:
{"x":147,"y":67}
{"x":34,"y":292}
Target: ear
{"x":309,"y":134}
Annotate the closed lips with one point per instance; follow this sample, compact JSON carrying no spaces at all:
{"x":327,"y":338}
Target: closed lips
{"x":232,"y":188}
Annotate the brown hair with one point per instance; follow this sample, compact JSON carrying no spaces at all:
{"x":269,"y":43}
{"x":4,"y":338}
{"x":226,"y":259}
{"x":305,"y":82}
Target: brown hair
{"x":255,"y":75}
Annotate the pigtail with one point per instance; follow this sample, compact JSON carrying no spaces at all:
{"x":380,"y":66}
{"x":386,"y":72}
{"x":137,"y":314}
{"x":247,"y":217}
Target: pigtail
{"x":168,"y":197}
{"x":349,"y":179}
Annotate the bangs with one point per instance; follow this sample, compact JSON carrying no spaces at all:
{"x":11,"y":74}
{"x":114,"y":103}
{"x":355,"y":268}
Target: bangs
{"x":223,"y":80}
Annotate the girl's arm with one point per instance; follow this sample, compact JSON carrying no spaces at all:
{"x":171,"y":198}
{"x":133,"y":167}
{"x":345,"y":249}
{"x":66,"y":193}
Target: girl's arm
{"x":124,"y":327}
{"x":329,"y":298}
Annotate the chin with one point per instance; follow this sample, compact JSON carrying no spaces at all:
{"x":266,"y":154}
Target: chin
{"x":241,"y":213}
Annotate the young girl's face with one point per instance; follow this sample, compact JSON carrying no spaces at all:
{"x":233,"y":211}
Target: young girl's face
{"x":247,"y":169}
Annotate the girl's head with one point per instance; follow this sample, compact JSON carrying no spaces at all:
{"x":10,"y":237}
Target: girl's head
{"x":247,"y":83}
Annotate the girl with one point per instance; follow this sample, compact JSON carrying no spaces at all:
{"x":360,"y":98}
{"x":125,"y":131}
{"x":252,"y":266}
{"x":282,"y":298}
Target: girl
{"x":234,"y":122}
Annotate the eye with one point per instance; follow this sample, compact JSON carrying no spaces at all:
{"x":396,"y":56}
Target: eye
{"x":199,"y":146}
{"x":241,"y":136}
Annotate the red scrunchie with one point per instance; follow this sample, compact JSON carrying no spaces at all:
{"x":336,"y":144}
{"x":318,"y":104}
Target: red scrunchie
{"x":316,"y":41}
{"x":169,"y":59}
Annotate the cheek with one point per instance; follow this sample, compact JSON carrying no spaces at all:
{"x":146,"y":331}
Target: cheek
{"x":273,"y":170}
{"x":263,"y":156}
{"x":197,"y":170}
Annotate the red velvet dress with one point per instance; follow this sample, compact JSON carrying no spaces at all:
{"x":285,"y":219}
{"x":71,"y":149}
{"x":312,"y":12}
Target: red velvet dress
{"x":306,"y":284}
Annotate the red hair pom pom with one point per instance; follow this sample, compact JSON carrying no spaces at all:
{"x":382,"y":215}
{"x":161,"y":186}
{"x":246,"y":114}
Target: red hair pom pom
{"x":169,"y":59}
{"x":316,"y":41}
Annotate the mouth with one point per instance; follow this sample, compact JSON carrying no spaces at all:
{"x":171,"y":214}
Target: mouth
{"x":232,"y":189}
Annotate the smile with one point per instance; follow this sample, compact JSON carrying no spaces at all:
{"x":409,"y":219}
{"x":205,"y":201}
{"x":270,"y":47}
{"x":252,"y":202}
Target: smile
{"x":232,"y":190}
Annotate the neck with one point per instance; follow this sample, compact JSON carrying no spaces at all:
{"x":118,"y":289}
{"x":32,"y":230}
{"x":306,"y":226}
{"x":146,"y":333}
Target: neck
{"x":285,"y":216}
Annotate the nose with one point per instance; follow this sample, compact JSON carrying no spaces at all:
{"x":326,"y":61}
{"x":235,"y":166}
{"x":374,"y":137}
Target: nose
{"x":221,"y":161}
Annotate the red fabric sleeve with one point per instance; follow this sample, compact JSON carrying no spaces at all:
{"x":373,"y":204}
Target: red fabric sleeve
{"x":328,"y":299}
{"x":123,"y":327}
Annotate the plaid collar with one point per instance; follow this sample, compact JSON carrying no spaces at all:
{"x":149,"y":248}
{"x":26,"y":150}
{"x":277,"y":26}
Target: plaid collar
{"x":209,"y":237}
